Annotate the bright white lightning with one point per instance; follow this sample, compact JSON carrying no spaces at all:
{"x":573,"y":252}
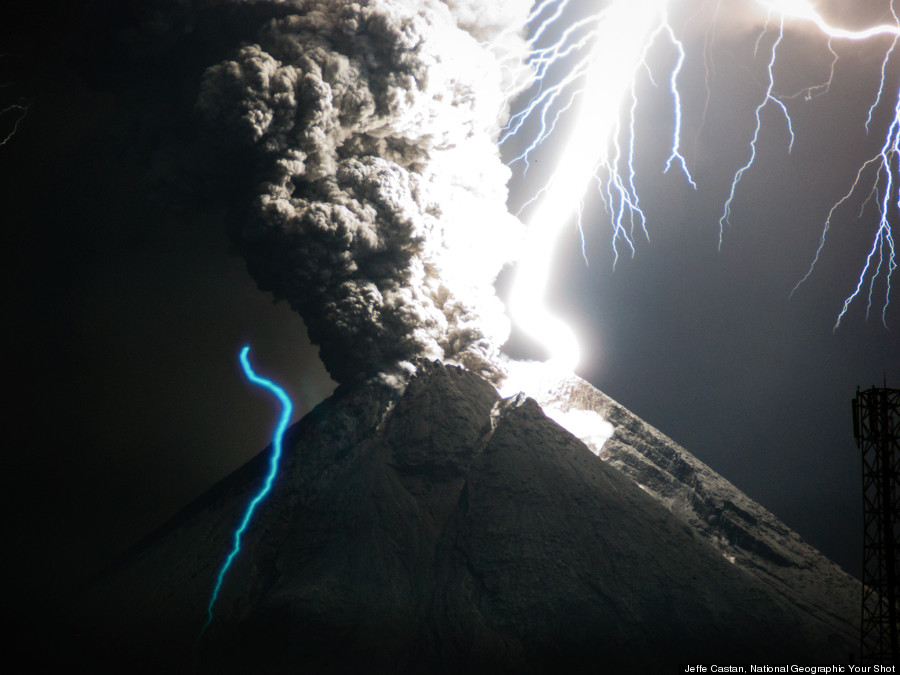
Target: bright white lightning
{"x":622,"y":34}
{"x":803,"y":10}
{"x":602,"y":56}
{"x":885,"y":187}
{"x":768,"y":98}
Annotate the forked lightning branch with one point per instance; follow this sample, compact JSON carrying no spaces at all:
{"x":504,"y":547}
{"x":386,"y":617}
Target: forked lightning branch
{"x":585,"y":80}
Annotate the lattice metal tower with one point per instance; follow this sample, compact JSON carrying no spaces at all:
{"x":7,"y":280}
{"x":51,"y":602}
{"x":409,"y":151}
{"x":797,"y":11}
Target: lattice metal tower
{"x":876,"y":427}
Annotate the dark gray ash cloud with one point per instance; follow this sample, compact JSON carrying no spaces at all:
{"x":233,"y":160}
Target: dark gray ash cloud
{"x":378,"y":209}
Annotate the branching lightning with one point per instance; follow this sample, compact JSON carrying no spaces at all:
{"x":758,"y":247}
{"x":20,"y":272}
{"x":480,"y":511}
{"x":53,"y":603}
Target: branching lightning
{"x":277,"y":439}
{"x":589,"y":75}
{"x":595,"y":93}
{"x":769,"y":97}
{"x":884,"y":188}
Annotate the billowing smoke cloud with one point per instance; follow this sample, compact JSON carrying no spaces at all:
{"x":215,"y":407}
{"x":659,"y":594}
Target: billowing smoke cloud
{"x":380,"y":210}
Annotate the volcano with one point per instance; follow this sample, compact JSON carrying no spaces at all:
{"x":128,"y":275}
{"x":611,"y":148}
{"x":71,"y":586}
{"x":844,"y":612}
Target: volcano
{"x":443,"y":528}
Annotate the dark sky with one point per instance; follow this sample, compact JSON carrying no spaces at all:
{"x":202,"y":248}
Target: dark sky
{"x":126,"y":311}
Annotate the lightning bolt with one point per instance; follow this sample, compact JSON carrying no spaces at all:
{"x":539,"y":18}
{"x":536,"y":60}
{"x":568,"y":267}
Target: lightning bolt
{"x":589,"y":75}
{"x":881,"y":257}
{"x":622,"y":34}
{"x":883,"y":188}
{"x":277,"y":439}
{"x":17,"y":111}
{"x":768,"y":98}
{"x":884,"y":166}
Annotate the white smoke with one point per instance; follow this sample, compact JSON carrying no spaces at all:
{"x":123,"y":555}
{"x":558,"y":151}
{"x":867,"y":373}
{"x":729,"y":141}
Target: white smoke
{"x":380,"y":212}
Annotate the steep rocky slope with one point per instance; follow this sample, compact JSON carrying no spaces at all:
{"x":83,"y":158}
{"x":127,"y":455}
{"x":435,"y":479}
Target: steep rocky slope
{"x":744,"y":532}
{"x":446,"y":528}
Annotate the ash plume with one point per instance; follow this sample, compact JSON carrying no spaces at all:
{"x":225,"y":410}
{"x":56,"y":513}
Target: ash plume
{"x":379,"y":208}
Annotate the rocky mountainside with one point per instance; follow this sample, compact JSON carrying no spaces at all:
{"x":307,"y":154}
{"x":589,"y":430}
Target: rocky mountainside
{"x":744,"y":532}
{"x":446,"y":528}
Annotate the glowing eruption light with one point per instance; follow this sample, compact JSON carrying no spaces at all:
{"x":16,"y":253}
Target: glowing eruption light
{"x":601,"y":57}
{"x":277,"y":439}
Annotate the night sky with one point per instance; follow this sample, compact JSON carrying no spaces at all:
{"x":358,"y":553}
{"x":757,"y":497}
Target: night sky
{"x":127,"y":311}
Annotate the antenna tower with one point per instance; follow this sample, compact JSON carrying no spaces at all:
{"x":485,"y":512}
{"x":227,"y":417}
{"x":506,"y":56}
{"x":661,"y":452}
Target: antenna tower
{"x":876,"y":427}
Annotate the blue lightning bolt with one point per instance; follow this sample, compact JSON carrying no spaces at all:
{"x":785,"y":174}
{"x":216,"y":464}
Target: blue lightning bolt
{"x":277,"y":438}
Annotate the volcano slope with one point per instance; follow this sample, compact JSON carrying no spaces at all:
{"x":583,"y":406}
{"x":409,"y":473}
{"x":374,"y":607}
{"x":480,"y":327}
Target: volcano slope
{"x":444,"y":528}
